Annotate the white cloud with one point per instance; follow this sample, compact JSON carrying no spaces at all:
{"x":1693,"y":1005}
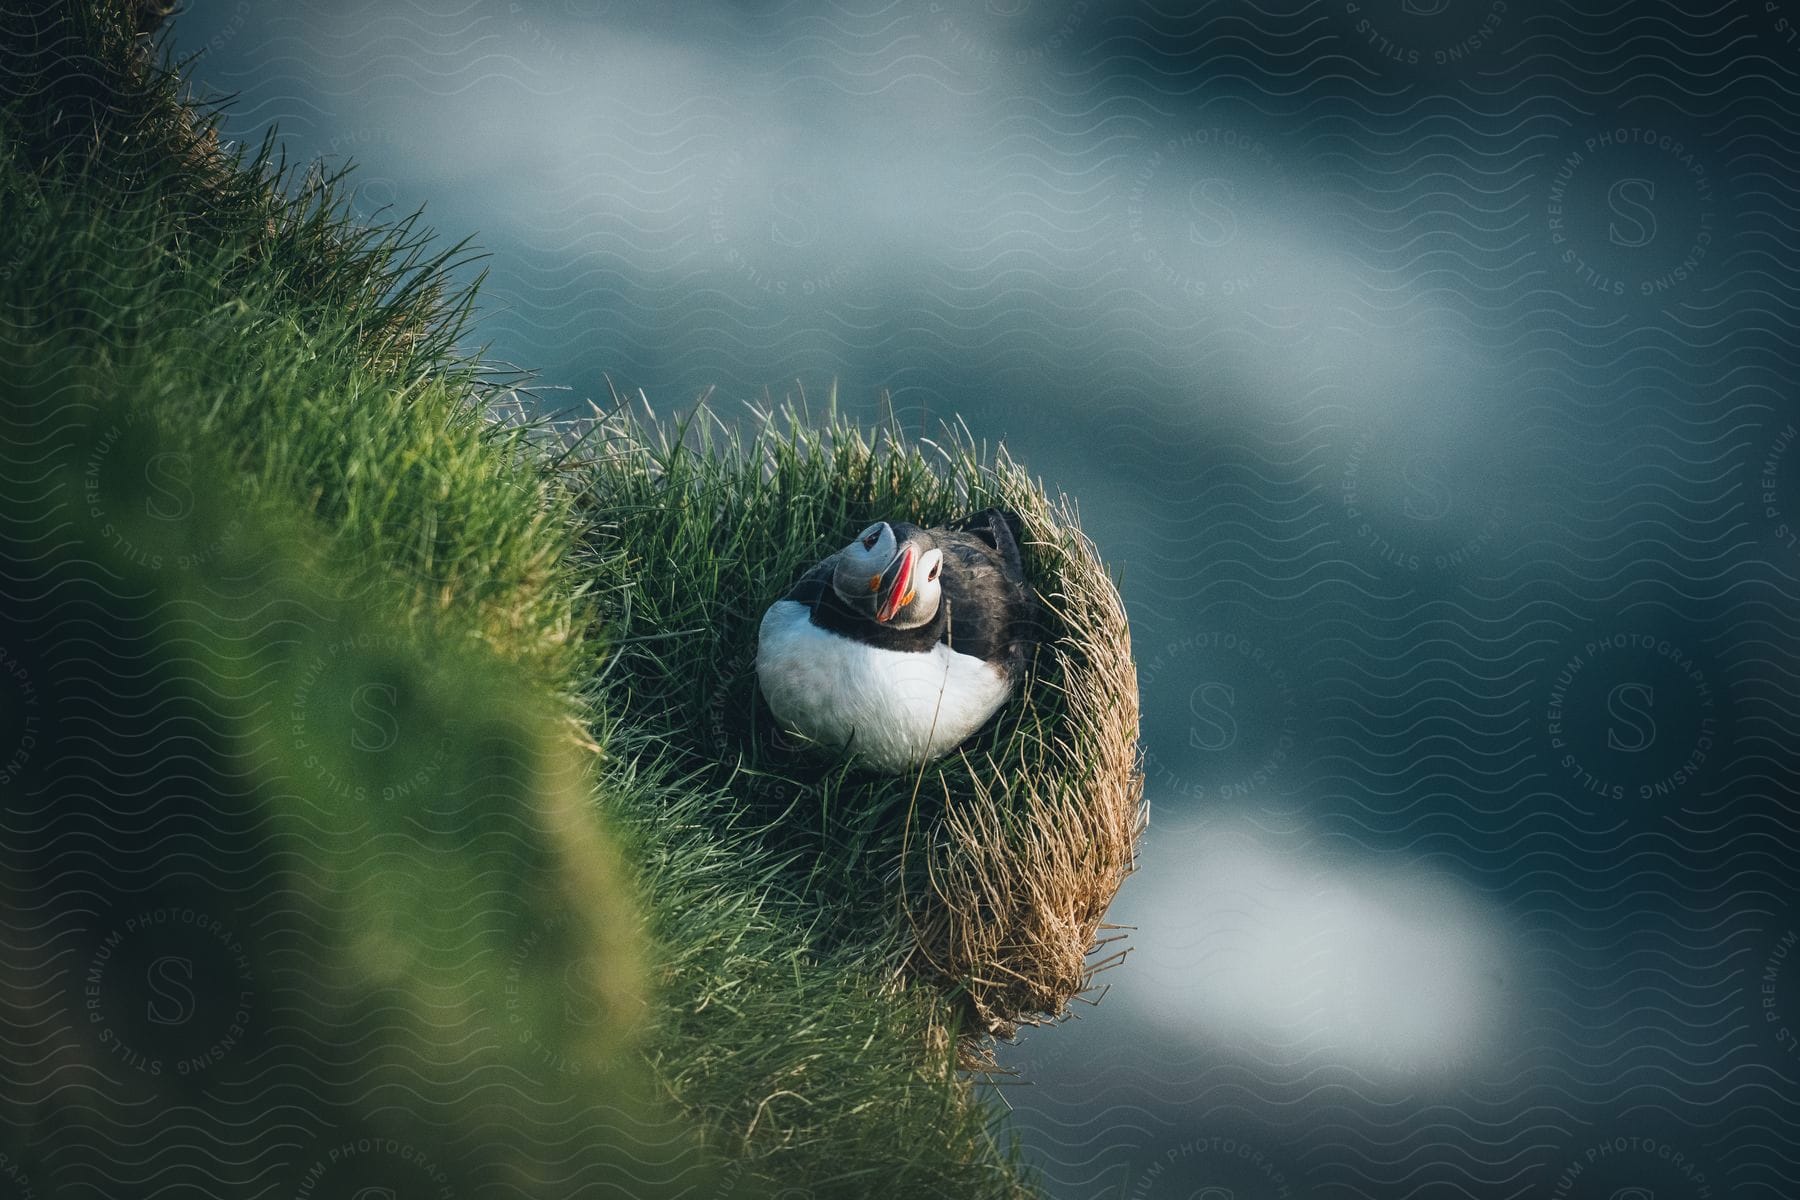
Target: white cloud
{"x":1250,"y":941}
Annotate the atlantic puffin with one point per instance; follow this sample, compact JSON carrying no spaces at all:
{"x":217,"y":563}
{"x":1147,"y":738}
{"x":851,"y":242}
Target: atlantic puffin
{"x":903,"y":643}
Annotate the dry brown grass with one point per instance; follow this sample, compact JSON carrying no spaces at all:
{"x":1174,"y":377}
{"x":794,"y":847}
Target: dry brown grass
{"x":1024,"y":866}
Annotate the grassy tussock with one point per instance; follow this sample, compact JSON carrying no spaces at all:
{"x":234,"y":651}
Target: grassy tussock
{"x":986,"y":874}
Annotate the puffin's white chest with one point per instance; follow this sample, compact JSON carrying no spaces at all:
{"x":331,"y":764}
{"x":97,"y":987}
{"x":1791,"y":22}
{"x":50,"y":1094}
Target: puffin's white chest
{"x":894,"y":709}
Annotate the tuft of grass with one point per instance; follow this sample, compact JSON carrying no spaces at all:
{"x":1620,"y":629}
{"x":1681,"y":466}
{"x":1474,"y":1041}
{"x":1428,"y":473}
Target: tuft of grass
{"x":986,"y":874}
{"x":86,"y":100}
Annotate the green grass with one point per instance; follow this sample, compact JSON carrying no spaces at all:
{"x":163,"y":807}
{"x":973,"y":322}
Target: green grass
{"x":566,"y":803}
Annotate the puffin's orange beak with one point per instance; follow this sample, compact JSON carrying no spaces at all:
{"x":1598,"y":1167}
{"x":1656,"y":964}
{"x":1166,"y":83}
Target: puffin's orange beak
{"x":897,"y":584}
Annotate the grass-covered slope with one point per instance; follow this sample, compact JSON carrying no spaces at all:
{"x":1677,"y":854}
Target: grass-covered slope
{"x":375,"y":814}
{"x":272,"y":887}
{"x":305,"y":891}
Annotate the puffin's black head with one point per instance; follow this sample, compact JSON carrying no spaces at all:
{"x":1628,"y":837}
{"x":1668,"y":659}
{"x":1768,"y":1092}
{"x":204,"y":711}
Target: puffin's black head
{"x":890,"y":574}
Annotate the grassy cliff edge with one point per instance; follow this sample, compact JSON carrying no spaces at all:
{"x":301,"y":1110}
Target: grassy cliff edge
{"x":443,"y":729}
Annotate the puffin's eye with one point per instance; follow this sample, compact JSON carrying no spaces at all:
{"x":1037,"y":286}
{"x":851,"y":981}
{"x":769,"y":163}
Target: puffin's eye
{"x":869,"y":542}
{"x":935,"y":568}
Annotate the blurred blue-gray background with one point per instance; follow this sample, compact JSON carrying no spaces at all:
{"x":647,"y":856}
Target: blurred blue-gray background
{"x":1425,"y":366}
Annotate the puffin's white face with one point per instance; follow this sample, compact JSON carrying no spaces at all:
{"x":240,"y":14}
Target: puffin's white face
{"x":857,"y":576}
{"x":896,"y":583}
{"x":917,"y":597}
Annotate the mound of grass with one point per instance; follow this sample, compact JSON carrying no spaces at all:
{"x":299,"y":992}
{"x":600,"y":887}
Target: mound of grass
{"x":308,"y":646}
{"x":987,"y":873}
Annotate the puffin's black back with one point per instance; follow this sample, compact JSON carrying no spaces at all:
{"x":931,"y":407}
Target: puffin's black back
{"x":993,"y":611}
{"x":1001,"y":530}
